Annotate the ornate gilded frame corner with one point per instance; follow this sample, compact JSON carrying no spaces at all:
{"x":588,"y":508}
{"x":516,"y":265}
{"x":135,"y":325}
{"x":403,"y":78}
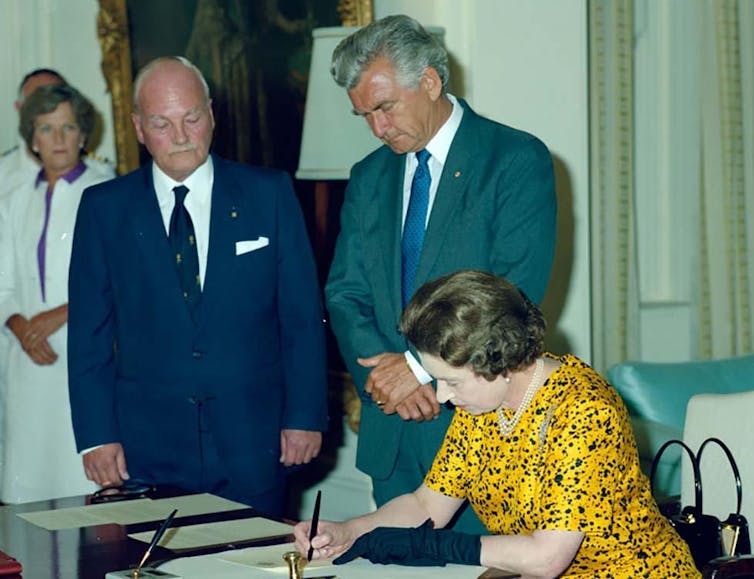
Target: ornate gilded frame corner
{"x":356,"y":12}
{"x":113,"y":35}
{"x":351,"y":400}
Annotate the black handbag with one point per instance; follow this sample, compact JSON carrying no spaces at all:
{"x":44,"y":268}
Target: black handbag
{"x":734,"y":531}
{"x":705,"y":535}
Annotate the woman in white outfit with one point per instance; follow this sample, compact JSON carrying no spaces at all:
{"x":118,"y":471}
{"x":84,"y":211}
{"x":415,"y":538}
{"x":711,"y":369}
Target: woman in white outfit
{"x":39,"y":458}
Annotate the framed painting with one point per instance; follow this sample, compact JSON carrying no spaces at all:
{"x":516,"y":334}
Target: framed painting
{"x":255,"y":56}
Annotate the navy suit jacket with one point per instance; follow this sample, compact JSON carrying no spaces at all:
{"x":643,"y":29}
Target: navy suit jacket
{"x":143,"y":373}
{"x":495,"y":209}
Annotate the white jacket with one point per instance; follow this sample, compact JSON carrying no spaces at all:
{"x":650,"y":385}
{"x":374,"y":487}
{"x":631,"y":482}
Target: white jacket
{"x":39,"y":459}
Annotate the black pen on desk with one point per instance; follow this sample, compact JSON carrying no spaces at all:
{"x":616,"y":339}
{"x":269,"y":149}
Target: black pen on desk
{"x":313,"y":528}
{"x":156,"y":539}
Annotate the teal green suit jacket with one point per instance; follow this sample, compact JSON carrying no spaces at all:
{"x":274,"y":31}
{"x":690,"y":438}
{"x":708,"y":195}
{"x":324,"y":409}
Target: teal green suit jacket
{"x":495,"y":209}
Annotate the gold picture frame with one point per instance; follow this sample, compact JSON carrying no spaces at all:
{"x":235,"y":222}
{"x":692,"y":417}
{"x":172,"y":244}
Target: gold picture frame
{"x":114,"y":40}
{"x":356,"y":12}
{"x":112,"y":32}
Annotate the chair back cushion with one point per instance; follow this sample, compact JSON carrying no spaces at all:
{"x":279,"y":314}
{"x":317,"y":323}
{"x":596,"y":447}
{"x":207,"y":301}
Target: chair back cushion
{"x":660,"y":391}
{"x":656,"y":395}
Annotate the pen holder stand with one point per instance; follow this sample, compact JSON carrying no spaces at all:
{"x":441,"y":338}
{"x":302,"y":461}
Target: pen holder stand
{"x":293,"y":558}
{"x":144,"y":573}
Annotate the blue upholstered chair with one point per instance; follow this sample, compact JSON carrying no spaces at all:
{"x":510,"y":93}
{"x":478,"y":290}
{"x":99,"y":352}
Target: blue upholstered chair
{"x":656,"y":395}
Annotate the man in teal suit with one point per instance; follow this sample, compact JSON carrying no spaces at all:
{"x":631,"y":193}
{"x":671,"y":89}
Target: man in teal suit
{"x":489,"y":203}
{"x":196,"y":343}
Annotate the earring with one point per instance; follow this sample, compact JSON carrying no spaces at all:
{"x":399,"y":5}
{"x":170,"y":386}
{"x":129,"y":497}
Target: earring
{"x":507,"y":379}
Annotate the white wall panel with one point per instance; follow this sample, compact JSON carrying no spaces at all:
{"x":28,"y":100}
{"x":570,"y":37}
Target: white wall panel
{"x":667,"y":173}
{"x":9,"y":63}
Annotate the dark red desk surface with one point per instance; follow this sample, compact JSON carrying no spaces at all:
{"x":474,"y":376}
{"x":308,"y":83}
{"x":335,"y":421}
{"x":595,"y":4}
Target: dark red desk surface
{"x":90,"y":552}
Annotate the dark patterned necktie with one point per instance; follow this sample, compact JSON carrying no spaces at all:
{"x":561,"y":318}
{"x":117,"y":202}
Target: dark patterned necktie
{"x":413,"y":228}
{"x":183,"y":243}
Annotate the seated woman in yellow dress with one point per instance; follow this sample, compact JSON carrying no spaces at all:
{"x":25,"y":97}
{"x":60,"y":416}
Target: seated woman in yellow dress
{"x":541,"y":446}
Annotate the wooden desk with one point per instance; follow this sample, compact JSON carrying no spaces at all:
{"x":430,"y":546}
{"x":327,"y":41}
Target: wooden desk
{"x":89,"y":552}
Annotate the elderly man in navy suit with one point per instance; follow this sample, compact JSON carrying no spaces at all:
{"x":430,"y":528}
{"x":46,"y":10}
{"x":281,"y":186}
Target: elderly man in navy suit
{"x":196,"y":349}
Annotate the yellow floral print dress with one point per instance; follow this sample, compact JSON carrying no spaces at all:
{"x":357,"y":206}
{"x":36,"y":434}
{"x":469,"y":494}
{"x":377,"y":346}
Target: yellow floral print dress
{"x":570,"y":464}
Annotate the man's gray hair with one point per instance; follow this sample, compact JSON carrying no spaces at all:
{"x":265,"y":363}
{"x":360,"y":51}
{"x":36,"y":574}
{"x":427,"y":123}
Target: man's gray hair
{"x":401,"y":40}
{"x":150,"y":66}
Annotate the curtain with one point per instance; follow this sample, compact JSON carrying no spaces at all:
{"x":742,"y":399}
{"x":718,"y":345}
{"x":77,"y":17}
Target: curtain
{"x":726,"y":200}
{"x":615,"y":300}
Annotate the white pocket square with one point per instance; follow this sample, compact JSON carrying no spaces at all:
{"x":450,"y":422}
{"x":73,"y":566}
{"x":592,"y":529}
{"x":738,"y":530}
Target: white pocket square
{"x":251,"y":245}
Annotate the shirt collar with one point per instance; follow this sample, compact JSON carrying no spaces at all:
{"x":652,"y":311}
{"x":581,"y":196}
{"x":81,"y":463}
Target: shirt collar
{"x":199,"y":183}
{"x":439,"y":145}
{"x":69,"y":177}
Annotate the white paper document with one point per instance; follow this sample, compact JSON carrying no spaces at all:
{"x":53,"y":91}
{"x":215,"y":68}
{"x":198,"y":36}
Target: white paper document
{"x":130,"y":512}
{"x":269,"y":558}
{"x":220,"y":566}
{"x":219,"y":533}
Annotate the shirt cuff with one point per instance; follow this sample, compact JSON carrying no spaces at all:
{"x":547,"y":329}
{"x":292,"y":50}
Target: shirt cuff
{"x":417,"y":369}
{"x":90,"y":449}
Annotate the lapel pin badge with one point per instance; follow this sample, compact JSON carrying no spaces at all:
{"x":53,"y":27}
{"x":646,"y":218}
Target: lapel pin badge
{"x":233,"y":213}
{"x":457,"y":174}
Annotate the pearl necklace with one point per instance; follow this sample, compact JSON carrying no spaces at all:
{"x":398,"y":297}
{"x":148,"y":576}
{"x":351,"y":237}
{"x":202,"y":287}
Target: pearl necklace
{"x":507,"y":426}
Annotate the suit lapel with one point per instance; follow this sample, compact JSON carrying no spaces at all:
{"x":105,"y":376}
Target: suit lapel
{"x":150,"y":234}
{"x":450,"y":193}
{"x":384,"y":226}
{"x":224,"y":213}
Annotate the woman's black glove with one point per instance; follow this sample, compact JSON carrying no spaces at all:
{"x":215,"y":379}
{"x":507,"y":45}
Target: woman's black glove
{"x":419,"y":547}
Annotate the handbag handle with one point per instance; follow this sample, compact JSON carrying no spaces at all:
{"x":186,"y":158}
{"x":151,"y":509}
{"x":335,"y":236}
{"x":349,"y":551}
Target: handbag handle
{"x":694,"y":464}
{"x":733,"y":466}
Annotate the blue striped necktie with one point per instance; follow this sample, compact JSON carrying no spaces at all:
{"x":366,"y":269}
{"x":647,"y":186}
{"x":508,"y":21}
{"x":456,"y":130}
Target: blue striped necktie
{"x":413,"y":228}
{"x":183,"y":242}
